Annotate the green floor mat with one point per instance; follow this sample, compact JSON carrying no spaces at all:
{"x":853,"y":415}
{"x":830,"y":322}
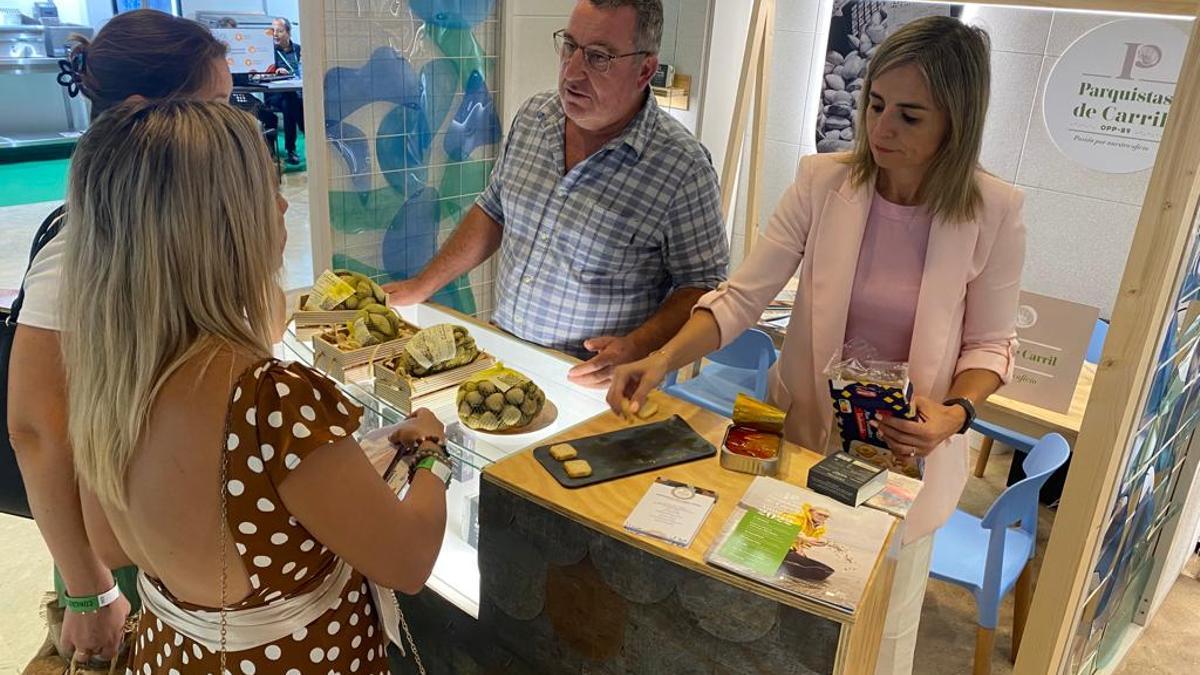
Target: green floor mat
{"x":45,"y":180}
{"x":32,"y":182}
{"x":300,"y":150}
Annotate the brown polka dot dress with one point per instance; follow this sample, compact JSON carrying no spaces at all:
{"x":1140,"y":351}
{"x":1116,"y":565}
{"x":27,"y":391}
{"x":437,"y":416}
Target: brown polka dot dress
{"x":279,"y":413}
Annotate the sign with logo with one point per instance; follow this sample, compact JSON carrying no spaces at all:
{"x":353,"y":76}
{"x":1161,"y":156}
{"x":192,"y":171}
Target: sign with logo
{"x":250,"y":49}
{"x":1054,"y":336}
{"x":1107,"y":99}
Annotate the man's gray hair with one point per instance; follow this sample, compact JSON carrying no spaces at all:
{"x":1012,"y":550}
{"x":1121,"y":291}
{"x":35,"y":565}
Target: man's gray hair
{"x":649,"y":21}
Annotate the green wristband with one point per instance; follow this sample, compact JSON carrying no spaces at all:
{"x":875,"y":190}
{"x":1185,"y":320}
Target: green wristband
{"x":93,"y":603}
{"x":437,"y":467}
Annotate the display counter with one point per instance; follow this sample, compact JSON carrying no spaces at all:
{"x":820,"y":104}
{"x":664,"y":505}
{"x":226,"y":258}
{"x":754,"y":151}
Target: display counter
{"x":565,"y":588}
{"x":456,"y":574}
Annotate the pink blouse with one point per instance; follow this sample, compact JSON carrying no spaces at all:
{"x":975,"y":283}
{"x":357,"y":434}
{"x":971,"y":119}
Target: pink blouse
{"x":887,"y":281}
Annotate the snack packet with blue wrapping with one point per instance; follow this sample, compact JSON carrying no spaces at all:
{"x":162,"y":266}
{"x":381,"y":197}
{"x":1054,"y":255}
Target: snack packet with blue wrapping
{"x":864,"y":390}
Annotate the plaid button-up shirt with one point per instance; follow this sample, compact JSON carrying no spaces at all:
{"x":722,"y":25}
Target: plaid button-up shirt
{"x":597,"y":250}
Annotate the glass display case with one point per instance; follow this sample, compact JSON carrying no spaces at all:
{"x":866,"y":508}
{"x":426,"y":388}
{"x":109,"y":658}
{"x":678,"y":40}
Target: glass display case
{"x":456,"y":574}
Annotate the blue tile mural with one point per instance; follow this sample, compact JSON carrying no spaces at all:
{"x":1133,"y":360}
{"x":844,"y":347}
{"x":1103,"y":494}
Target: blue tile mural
{"x":413,"y":131}
{"x":1146,"y":495}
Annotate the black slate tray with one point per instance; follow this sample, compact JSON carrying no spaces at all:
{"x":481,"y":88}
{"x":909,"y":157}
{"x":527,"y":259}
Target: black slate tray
{"x":626,"y":452}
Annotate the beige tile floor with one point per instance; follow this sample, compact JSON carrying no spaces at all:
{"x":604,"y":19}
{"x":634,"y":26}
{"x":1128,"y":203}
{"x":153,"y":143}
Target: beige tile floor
{"x":19,"y":223}
{"x":24,"y":578}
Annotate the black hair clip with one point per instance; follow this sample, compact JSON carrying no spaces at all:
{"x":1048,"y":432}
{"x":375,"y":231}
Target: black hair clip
{"x":71,"y":71}
{"x":69,"y":77}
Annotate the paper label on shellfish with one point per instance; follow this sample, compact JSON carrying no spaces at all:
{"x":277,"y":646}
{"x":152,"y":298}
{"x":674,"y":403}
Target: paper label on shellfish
{"x":360,"y":332}
{"x":328,"y":291}
{"x":507,"y":380}
{"x":432,"y":345}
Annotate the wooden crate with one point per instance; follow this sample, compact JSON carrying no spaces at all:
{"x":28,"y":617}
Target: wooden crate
{"x":305,"y":318}
{"x":441,"y":402}
{"x":336,"y":363}
{"x":408,"y":393}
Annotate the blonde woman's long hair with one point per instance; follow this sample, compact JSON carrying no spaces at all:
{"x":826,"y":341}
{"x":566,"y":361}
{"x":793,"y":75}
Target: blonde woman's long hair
{"x":174,"y":243}
{"x":954,"y":58}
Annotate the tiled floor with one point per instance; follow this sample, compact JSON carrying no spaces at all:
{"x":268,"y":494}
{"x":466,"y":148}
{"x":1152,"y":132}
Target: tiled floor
{"x":19,"y":223}
{"x":24,"y":578}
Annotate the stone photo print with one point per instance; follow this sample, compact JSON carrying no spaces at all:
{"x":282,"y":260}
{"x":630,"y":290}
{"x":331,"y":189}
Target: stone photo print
{"x":856,"y":29}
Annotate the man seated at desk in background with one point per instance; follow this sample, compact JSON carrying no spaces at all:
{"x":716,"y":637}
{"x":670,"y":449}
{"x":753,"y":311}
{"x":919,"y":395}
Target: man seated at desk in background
{"x":605,"y":210}
{"x":287,"y":62}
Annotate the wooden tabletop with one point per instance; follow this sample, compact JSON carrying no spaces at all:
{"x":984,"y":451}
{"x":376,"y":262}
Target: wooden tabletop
{"x":605,"y":506}
{"x":1034,"y":420}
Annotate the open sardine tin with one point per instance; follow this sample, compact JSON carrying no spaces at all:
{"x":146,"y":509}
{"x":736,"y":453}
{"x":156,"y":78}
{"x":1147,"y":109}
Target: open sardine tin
{"x":753,"y":416}
{"x":767,"y":466}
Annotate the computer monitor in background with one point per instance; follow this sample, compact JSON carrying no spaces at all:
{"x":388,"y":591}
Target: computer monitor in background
{"x":251,"y":50}
{"x":168,"y":6}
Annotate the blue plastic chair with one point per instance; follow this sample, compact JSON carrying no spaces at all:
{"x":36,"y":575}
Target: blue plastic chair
{"x":1096,"y":346}
{"x":1017,"y":440}
{"x":988,"y":556}
{"x":740,"y":367}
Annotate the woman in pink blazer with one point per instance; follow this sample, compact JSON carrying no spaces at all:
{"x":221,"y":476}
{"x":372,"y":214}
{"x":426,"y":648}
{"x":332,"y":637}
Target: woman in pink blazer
{"x":903,"y":242}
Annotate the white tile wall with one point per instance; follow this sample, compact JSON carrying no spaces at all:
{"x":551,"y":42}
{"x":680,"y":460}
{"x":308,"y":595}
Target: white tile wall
{"x":1076,"y":246}
{"x":796,"y":15}
{"x":1067,"y":27}
{"x":788,"y":102}
{"x":532,"y":66}
{"x":529,"y":63}
{"x":788,"y":86}
{"x":785,"y":156}
{"x":1012,"y":30}
{"x":1014,"y":86}
{"x":670,"y":30}
{"x":691,"y":29}
{"x":554,"y":8}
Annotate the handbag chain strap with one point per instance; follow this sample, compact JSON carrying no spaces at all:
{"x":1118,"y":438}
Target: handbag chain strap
{"x":221,"y":526}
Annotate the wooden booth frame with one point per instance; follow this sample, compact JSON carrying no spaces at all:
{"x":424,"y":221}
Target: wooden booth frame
{"x":1153,"y":271}
{"x":1165,"y":231}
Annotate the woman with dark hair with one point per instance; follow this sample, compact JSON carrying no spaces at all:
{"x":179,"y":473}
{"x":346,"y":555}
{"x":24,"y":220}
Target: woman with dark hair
{"x":143,"y":54}
{"x":147,"y":54}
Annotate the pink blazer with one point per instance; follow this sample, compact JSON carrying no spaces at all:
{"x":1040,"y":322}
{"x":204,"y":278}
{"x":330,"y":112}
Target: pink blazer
{"x":965,"y":319}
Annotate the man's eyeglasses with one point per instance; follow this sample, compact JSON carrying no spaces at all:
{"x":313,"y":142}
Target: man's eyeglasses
{"x":595,"y":59}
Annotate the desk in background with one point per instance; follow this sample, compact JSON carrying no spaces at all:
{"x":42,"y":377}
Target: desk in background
{"x":1035,"y":421}
{"x":273,"y":87}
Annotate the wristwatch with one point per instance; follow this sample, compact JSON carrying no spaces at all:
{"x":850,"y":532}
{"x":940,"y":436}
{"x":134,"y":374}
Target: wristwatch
{"x":967,"y":407}
{"x":93,"y":603}
{"x":438,"y":467}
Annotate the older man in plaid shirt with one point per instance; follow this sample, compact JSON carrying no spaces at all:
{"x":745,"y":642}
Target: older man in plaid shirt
{"x":605,"y":210}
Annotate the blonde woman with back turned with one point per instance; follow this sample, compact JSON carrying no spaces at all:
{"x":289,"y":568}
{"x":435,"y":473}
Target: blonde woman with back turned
{"x":228,"y":477}
{"x":905,"y":243}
